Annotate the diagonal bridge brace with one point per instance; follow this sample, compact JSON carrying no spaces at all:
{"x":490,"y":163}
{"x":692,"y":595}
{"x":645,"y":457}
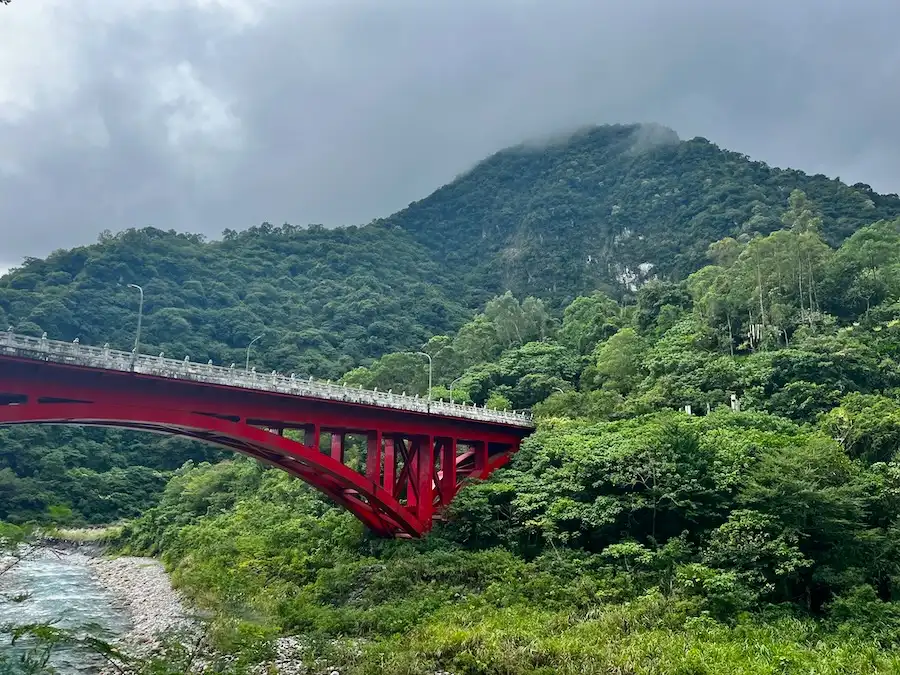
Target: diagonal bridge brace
{"x":373,"y":505}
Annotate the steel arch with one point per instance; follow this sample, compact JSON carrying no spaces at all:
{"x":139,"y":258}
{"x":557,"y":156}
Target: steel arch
{"x":369,"y":502}
{"x":416,"y":462}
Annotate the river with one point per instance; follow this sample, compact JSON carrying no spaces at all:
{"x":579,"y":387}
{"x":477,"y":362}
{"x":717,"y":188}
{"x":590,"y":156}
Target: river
{"x":60,"y":589}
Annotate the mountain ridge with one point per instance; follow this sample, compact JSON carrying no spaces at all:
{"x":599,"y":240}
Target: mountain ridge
{"x":525,"y":198}
{"x":605,"y":208}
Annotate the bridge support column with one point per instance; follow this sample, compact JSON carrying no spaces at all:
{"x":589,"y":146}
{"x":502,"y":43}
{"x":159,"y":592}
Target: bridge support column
{"x":373,"y":457}
{"x":337,"y":446}
{"x":311,"y":436}
{"x":448,"y":470}
{"x":423,"y":474}
{"x":481,"y":458}
{"x":412,"y":472}
{"x":390,"y":466}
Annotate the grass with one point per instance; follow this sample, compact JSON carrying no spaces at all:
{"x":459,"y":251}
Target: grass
{"x":86,"y":534}
{"x":643,"y":638}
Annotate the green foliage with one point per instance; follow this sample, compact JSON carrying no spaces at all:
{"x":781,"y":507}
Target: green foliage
{"x":598,"y":214}
{"x":603,"y":207}
{"x":625,"y":536}
{"x":617,"y":363}
{"x":588,"y":321}
{"x":324,"y":300}
{"x":600,"y":538}
{"x":867,"y":426}
{"x":648,"y":636}
{"x":69,"y":475}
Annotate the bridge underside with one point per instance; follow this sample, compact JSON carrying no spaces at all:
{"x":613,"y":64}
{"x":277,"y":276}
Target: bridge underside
{"x":395,"y":471}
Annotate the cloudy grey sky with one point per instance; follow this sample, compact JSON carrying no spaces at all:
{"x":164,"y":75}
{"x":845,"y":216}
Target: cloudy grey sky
{"x":205,"y":114}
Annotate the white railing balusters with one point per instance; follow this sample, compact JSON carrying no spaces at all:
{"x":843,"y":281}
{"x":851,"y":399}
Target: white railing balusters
{"x":108,"y":359}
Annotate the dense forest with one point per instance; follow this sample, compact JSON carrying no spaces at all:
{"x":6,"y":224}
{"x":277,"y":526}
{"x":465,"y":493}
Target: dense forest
{"x":628,"y":535}
{"x":604,"y":209}
{"x":713,"y":485}
{"x":610,"y":207}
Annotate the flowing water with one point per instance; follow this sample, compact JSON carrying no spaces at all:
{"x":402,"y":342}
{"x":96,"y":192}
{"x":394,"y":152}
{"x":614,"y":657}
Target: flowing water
{"x":62,"y":590}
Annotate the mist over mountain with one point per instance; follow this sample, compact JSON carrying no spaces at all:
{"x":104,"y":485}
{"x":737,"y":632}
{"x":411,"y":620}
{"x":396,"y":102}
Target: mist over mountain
{"x":604,"y":208}
{"x":609,"y":207}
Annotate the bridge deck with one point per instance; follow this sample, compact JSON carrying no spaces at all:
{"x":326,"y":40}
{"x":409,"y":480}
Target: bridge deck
{"x":104,"y":358}
{"x":411,"y":456}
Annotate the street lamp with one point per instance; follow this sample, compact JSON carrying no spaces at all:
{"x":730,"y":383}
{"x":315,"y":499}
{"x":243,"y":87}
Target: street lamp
{"x":247,"y":366}
{"x":454,"y":382}
{"x":430,"y":370}
{"x":137,"y":337}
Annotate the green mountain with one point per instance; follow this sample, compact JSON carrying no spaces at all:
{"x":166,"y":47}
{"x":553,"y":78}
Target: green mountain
{"x":323,"y":299}
{"x":602,"y":209}
{"x":714,"y":482}
{"x":611,"y":205}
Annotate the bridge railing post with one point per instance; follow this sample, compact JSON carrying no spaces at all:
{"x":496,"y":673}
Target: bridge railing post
{"x":105,"y":358}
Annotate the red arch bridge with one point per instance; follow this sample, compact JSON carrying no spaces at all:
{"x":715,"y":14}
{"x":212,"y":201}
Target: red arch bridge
{"x":415,"y":453}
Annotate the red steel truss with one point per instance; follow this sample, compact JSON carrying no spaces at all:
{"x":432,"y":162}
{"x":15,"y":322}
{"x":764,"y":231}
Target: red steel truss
{"x":409,"y":465}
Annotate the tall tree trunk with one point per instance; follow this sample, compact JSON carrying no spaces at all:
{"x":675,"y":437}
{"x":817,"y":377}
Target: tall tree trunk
{"x":730,"y":335}
{"x":813,"y":301}
{"x":762,"y":311}
{"x":800,"y":278}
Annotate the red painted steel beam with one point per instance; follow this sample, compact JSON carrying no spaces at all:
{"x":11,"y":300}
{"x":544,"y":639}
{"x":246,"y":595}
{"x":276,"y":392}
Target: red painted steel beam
{"x":78,"y":382}
{"x":337,"y":446}
{"x":390,"y":466}
{"x":389,"y":502}
{"x":262,"y":402}
{"x":423,"y":474}
{"x":315,"y":468}
{"x":448,"y":471}
{"x":373,"y":457}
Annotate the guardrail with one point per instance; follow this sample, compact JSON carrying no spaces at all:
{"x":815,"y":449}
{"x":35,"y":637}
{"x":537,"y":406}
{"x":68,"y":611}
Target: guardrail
{"x":73,"y":353}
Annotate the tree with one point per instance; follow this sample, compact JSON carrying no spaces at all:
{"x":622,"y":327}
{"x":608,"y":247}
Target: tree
{"x":617,"y":362}
{"x":867,"y":426}
{"x":589,"y":320}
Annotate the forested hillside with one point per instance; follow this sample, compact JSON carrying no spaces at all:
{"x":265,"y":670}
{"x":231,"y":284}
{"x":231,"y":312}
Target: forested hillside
{"x":596,"y":211}
{"x":611,"y":206}
{"x":323,"y":300}
{"x":552,"y":221}
{"x":627,"y":536}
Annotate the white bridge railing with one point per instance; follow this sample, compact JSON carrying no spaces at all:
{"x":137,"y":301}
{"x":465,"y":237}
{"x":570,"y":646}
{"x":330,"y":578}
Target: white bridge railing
{"x":73,"y":353}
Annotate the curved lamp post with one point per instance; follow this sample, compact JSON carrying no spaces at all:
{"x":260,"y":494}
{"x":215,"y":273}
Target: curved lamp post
{"x":430,"y":371}
{"x":137,"y":337}
{"x":451,"y":386}
{"x":247,"y":366}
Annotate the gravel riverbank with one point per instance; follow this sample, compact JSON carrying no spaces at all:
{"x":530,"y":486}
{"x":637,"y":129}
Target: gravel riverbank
{"x":142,"y":586}
{"x":143,"y":589}
{"x":137,"y":593}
